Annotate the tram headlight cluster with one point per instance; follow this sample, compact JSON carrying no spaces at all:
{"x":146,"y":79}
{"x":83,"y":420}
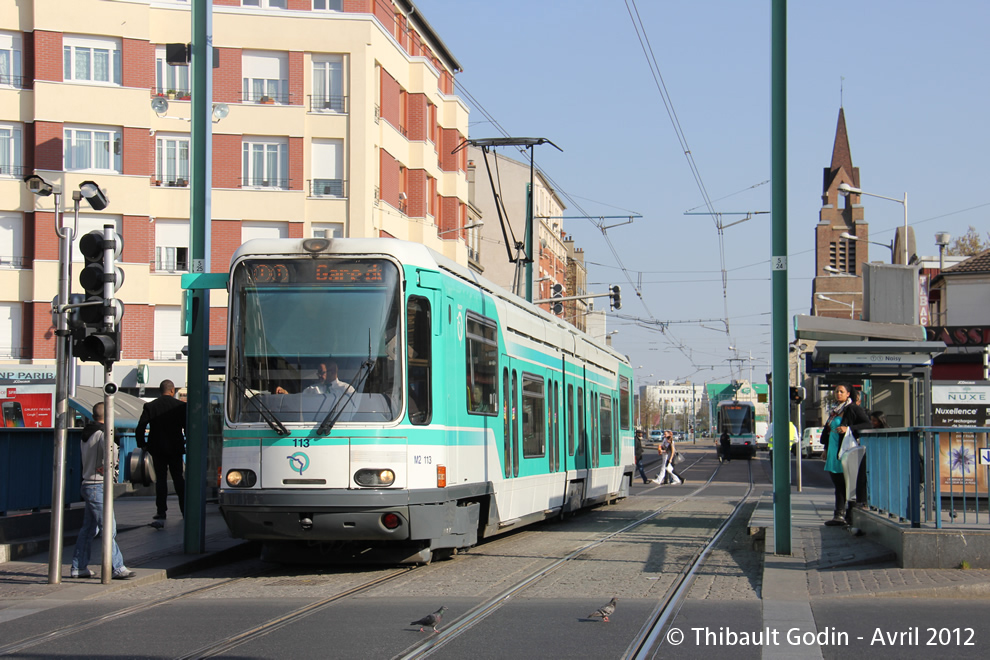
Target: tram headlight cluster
{"x":241,"y":478}
{"x":374,"y":477}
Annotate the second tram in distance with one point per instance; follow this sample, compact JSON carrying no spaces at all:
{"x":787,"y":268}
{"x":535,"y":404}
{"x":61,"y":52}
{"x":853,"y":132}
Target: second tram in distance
{"x":459,"y":410}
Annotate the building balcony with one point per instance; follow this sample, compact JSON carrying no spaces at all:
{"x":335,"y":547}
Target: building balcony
{"x":336,"y":188}
{"x":330,"y":103}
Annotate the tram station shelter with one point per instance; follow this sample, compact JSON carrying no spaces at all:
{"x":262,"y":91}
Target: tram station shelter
{"x":890,"y":362}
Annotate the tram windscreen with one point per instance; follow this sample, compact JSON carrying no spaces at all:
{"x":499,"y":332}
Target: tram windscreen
{"x":294,"y":322}
{"x":737,"y":419}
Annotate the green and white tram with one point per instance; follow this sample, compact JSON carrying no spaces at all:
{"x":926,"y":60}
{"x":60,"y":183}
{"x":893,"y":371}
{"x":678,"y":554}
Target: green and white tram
{"x":461,"y":410}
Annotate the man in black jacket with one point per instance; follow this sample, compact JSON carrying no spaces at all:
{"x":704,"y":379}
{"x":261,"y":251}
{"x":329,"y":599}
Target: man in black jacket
{"x":167,"y":443}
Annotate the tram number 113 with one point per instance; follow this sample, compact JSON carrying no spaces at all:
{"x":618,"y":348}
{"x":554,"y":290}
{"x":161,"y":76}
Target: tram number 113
{"x":423,"y":460}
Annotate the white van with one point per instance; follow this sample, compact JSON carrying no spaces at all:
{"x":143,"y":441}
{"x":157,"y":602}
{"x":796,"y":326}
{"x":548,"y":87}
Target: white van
{"x":811,"y":442}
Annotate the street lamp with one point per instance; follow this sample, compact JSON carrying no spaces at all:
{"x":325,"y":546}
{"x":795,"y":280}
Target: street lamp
{"x":845,"y":190}
{"x":852,"y":306}
{"x":942,"y":239}
{"x":849,"y":237}
{"x":836,"y":271}
{"x":464,"y":228}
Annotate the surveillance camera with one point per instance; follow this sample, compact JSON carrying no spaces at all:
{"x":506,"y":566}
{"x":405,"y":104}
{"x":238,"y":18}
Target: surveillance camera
{"x":110,"y":389}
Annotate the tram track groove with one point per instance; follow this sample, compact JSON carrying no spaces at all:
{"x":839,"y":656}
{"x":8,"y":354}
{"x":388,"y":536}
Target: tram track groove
{"x":463,"y":624}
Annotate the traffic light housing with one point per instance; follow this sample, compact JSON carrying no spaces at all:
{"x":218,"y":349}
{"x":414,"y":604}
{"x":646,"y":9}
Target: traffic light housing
{"x":95,"y":324}
{"x":615,"y":297}
{"x":797,"y":394}
{"x":557,"y":306}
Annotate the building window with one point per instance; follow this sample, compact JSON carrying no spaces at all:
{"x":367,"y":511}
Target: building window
{"x":266,"y":78}
{"x":266,"y":164}
{"x":169,"y":341}
{"x":169,"y":78}
{"x":328,"y":5}
{"x":264,"y":230}
{"x":10,"y":60}
{"x":96,"y":149}
{"x":10,"y":330}
{"x":328,"y":168}
{"x":171,"y":245}
{"x":482,"y":365}
{"x":11,"y":150}
{"x":328,"y":84}
{"x":327,"y":230}
{"x":11,"y":240}
{"x":842,"y":256}
{"x":533,"y":416}
{"x":91,"y":59}
{"x":172,"y":161}
{"x":267,"y":4}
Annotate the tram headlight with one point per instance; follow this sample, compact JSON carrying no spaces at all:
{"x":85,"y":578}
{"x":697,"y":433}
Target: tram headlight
{"x":241,"y":478}
{"x":374,"y":477}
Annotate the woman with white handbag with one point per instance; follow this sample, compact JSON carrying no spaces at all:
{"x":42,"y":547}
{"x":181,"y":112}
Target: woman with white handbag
{"x":844,"y":416}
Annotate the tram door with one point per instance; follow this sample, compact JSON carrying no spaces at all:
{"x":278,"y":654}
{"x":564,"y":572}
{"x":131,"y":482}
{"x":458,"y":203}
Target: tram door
{"x":510,"y":419}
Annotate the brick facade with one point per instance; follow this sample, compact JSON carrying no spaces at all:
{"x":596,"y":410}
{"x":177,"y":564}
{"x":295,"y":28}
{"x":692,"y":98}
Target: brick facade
{"x":389,"y":185}
{"x":138,"y":63}
{"x":227,"y":82}
{"x":139,"y":239}
{"x":137,"y":326}
{"x":218,"y":326}
{"x":44,"y":238}
{"x":417,"y":189}
{"x":449,"y":139}
{"x":48,"y":55}
{"x":296,"y":148}
{"x":27,"y":59}
{"x":297,"y":76}
{"x":449,"y":214}
{"x":48,"y":145}
{"x":138,"y":152}
{"x":227,"y":161}
{"x":225,"y":239}
{"x":391,"y":106}
{"x":417,"y":116}
{"x":40,"y":342}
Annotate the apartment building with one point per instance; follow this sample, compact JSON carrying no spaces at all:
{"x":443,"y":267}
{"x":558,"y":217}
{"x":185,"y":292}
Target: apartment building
{"x":512,"y":179}
{"x":342,"y":123}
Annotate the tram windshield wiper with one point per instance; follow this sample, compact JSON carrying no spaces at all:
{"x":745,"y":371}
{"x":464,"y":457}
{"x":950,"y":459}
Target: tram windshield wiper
{"x":263,"y":410}
{"x":340,"y":405}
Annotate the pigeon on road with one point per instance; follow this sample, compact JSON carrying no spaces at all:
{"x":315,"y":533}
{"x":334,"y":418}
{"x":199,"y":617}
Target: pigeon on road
{"x":605,"y":611}
{"x":432,"y":620}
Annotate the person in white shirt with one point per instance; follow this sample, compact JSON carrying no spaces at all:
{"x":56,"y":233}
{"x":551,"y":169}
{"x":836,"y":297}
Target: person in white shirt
{"x":327,"y":382}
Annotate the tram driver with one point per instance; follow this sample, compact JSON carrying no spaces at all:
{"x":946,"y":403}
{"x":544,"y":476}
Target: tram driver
{"x":327,"y":382}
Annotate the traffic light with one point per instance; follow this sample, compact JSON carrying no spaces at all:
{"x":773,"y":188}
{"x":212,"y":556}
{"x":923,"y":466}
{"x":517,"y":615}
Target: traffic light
{"x":797,"y":394}
{"x":616,"y":297}
{"x":95,"y":324}
{"x":557,"y":307}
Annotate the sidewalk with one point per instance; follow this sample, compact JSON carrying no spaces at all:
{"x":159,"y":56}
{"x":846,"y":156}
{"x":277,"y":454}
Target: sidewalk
{"x":153,"y":554}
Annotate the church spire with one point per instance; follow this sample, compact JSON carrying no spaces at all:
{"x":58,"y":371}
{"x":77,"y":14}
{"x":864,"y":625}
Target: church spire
{"x":841,"y":156}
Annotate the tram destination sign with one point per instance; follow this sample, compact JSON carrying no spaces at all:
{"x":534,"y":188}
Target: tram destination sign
{"x":880,"y":359}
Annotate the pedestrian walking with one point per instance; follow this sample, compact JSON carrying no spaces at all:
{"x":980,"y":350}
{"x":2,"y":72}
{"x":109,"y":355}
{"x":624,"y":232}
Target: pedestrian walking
{"x":667,"y":451}
{"x":166,"y":417}
{"x":93,"y":452}
{"x":725,"y":443}
{"x":639,"y":456}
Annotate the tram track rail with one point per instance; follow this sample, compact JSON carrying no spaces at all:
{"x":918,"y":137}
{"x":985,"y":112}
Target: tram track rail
{"x":657,"y":623}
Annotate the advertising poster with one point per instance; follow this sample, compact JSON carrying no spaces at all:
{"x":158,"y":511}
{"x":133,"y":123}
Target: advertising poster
{"x":27,"y":397}
{"x":961,"y":404}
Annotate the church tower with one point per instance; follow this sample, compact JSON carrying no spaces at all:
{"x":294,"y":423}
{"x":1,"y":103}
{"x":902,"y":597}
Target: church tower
{"x":839,"y":261}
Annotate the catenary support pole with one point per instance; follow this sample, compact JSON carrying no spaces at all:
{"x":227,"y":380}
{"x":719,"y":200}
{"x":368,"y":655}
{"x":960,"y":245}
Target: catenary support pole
{"x":62,"y":368}
{"x":778,"y":264}
{"x":199,"y":221}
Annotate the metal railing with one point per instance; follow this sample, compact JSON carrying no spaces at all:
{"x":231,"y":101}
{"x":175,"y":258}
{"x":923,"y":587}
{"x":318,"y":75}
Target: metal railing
{"x":282,"y":98}
{"x":172,"y":94}
{"x":261,"y":182}
{"x":178,"y":182}
{"x":13,"y":81}
{"x":930,"y":475}
{"x":12,"y":170}
{"x":170,"y":265}
{"x":11,"y":262}
{"x":331,"y":103}
{"x":168,"y":355}
{"x":328,"y":188}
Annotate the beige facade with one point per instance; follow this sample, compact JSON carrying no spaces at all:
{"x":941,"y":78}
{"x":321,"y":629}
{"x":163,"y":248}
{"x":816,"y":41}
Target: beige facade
{"x":341,"y":123}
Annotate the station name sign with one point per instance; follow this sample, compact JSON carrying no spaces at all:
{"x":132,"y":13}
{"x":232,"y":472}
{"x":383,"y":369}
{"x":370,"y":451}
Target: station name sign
{"x":957,"y":335}
{"x":880,"y":359}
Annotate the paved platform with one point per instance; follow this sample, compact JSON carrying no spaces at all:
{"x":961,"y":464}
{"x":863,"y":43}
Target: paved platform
{"x":153,"y":554}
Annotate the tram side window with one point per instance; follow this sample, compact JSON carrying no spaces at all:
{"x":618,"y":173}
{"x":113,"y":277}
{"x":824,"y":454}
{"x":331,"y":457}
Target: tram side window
{"x":580,"y":417}
{"x":420,"y":360}
{"x":605,"y":403}
{"x":533,"y":416}
{"x":506,"y":421}
{"x":482,"y":365}
{"x":625,"y":410}
{"x":570,"y":420}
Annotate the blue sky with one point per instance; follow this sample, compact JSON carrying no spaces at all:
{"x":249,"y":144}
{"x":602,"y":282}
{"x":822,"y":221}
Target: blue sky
{"x":915,"y":95}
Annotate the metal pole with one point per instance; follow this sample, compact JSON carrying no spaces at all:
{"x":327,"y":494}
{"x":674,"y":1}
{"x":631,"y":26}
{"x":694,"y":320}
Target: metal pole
{"x":109,"y":437}
{"x":199,"y":219}
{"x":62,"y":368}
{"x":778,"y":265}
{"x":904,"y":202}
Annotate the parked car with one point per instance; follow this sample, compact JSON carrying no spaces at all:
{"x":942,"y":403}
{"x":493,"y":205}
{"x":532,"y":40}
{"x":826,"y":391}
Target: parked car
{"x":811,"y":442}
{"x":656,"y":435}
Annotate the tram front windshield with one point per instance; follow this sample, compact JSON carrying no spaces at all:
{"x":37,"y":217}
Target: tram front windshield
{"x":737,"y":419}
{"x":294,"y":321}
